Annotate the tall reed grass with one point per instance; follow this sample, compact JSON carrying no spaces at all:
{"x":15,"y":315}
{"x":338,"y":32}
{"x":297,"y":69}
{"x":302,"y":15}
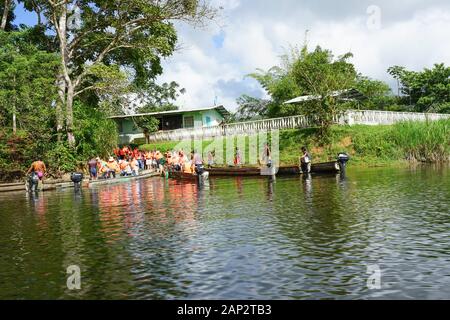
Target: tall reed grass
{"x":423,"y":141}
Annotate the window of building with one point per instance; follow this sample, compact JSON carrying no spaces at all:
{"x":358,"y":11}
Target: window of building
{"x":189,"y":122}
{"x":208,"y":121}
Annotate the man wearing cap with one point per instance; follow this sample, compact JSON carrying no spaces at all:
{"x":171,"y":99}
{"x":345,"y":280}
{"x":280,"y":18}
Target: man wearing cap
{"x":113,"y":167}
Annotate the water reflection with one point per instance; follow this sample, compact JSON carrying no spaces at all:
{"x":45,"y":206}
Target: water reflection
{"x":270,"y":189}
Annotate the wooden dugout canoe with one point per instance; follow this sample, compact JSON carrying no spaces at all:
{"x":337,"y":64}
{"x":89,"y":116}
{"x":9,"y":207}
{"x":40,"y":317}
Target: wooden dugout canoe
{"x":326,"y":167}
{"x":187,"y":176}
{"x":101,"y":182}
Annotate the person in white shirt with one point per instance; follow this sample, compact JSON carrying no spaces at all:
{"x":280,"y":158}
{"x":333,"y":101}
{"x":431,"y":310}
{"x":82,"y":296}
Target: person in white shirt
{"x":305,"y":161}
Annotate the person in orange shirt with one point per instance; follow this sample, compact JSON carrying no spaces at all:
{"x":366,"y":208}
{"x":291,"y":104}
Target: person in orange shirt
{"x":169,"y":158}
{"x":125,"y":151}
{"x":175,"y":161}
{"x":148,"y":160}
{"x":102,"y":168}
{"x":187,"y":167}
{"x":134,"y":164}
{"x":158,"y":157}
{"x":39,"y":168}
{"x":113,"y":167}
{"x":123,"y":167}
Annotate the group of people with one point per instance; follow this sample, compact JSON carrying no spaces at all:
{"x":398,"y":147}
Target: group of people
{"x":146,"y":159}
{"x":130,"y":162}
{"x":127,"y":162}
{"x":180,"y":161}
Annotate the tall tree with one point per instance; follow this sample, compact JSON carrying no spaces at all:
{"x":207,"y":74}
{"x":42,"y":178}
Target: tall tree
{"x":427,"y":90}
{"x":378,"y":94}
{"x":148,"y":125}
{"x":250,"y":108}
{"x":6,"y":8}
{"x":318,"y":74}
{"x":133,"y":34}
{"x":7,"y":15}
{"x":35,"y":6}
{"x":26,"y":80}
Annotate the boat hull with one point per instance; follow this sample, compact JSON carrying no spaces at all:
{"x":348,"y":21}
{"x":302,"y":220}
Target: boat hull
{"x":326,"y":167}
{"x":101,"y":182}
{"x":188,"y":176}
{"x":245,"y":171}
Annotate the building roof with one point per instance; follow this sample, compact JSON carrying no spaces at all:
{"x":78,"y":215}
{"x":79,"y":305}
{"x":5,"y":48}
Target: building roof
{"x":220,"y":109}
{"x":351,"y":94}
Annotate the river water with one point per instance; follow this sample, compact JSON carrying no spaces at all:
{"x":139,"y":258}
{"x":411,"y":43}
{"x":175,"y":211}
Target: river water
{"x":238,"y":238}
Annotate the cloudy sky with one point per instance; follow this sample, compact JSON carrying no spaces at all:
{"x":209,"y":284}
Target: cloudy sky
{"x":214,"y":61}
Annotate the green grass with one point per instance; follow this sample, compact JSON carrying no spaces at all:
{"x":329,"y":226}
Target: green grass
{"x":426,"y":141}
{"x":367,"y":145}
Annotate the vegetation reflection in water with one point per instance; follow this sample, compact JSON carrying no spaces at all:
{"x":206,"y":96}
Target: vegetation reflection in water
{"x":294,"y":238}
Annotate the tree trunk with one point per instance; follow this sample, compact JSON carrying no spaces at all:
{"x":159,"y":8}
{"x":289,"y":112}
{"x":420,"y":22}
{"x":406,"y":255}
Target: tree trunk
{"x":5,"y":15}
{"x":14,"y":123}
{"x":14,"y":100}
{"x":69,"y":116}
{"x":38,"y":14}
{"x":60,"y":106}
{"x":69,"y":87}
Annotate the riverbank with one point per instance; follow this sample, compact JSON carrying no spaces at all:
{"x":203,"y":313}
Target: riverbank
{"x":393,"y":145}
{"x":368,"y":146}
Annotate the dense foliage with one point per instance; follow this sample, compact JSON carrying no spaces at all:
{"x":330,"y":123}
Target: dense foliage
{"x":82,"y":62}
{"x":427,"y":90}
{"x":28,"y":115}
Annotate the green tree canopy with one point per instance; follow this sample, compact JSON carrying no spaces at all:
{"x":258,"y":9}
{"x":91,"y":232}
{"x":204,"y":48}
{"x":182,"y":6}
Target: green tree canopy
{"x":27,"y":81}
{"x":317,"y":73}
{"x":251,"y":108}
{"x":378,"y":94}
{"x":427,"y":90}
{"x":102,"y":42}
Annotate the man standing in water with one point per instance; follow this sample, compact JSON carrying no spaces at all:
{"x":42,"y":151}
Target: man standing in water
{"x":92,"y":165}
{"x":40,"y":169}
{"x":305,"y":161}
{"x":197,"y":161}
{"x":267,"y":156}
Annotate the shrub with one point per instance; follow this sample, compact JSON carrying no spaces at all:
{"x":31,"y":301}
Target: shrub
{"x":61,"y":159}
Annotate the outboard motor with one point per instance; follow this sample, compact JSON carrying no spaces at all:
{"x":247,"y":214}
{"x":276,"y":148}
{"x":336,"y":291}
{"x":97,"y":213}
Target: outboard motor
{"x":199,"y":169}
{"x":76,"y":178}
{"x":33,"y":182}
{"x":203,"y":175}
{"x":342,"y":159}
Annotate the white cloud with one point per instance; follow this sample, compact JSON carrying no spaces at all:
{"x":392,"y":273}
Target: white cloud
{"x":254,"y":33}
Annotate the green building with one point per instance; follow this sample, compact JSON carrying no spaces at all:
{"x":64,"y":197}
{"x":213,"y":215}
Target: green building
{"x":171,"y":120}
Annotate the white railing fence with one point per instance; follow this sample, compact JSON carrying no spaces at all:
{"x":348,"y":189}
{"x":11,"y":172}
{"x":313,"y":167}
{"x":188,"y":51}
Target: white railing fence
{"x":375,"y":117}
{"x":351,"y":117}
